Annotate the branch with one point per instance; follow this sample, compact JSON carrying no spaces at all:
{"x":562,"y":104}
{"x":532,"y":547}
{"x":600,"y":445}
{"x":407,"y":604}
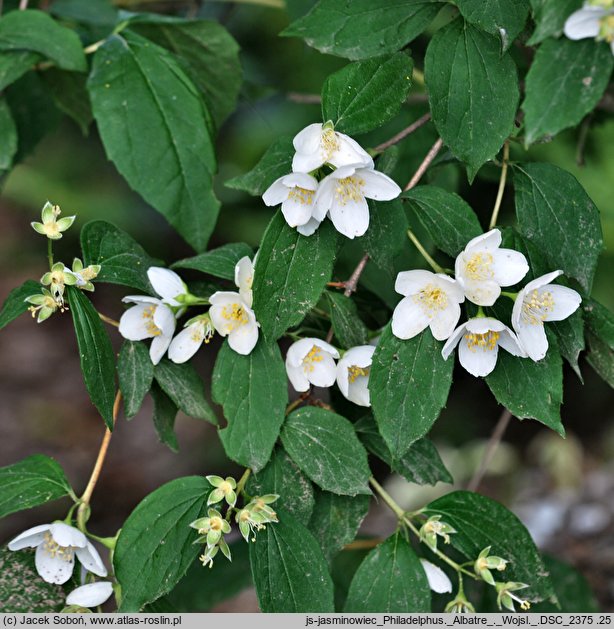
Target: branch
{"x":502,"y":180}
{"x":430,"y":156}
{"x":404,"y":133}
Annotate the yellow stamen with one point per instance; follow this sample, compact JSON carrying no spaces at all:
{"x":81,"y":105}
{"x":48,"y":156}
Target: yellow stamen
{"x":432,"y":299}
{"x":150,"y":326}
{"x":349,"y":189}
{"x":354,"y":372}
{"x":330,"y":143}
{"x":300,"y":195}
{"x":478,"y":267}
{"x":235,"y":315}
{"x":486,"y":342}
{"x":606,"y":28}
{"x":537,"y":306}
{"x":53,"y":549}
{"x":314,"y":356}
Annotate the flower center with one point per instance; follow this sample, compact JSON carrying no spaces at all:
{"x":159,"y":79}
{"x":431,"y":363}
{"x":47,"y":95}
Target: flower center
{"x":53,"y":549}
{"x":300,"y":195}
{"x":216,"y":523}
{"x":432,"y":298}
{"x":349,"y":189}
{"x":150,"y":326}
{"x":478,"y":267}
{"x":314,"y":356}
{"x":51,"y":229}
{"x":537,"y":306}
{"x":487,"y":341}
{"x":225,"y":488}
{"x":606,"y":28}
{"x":235,"y":315}
{"x":355,"y":372}
{"x":329,"y":143}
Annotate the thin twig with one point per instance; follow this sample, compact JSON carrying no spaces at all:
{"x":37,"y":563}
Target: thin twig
{"x":493,"y":444}
{"x":362,"y":544}
{"x":430,"y":156}
{"x":502,"y":180}
{"x":424,"y":253}
{"x":299,"y":400}
{"x":404,"y":133}
{"x":304,"y":99}
{"x":109,"y":320}
{"x":23,"y":5}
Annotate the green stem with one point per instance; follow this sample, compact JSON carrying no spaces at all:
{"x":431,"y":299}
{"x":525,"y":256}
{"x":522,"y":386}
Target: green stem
{"x":50,"y":252}
{"x":388,"y":499}
{"x":424,"y":253}
{"x":108,"y":542}
{"x":243,"y":480}
{"x":502,"y":180}
{"x":511,"y":296}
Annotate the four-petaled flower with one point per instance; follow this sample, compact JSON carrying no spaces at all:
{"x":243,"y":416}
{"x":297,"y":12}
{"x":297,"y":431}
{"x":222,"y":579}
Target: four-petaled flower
{"x":437,"y":578}
{"x":540,"y":301}
{"x":506,"y":596}
{"x":319,"y":144}
{"x":311,"y":361}
{"x":483,"y":268}
{"x":44,"y":303}
{"x":57,"y":279}
{"x":56,"y":546}
{"x":52,"y":227}
{"x":434,"y":528}
{"x":234,"y":318}
{"x":480,"y":339}
{"x":595,"y":19}
{"x":353,"y":374}
{"x":431,"y":300}
{"x":90,"y":595}
{"x":84,"y":275}
{"x":486,"y":562}
{"x":343,"y":195}
{"x":224,"y":490}
{"x":197,"y":331}
{"x":212,"y":527}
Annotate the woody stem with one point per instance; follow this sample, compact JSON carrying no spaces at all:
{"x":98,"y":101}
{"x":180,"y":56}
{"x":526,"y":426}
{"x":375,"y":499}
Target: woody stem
{"x":424,"y":253}
{"x":502,"y":180}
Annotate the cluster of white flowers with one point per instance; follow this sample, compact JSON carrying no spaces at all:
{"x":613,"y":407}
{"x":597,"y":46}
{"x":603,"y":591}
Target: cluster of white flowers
{"x":230,"y":315}
{"x":481,"y":270}
{"x":57,"y":544}
{"x":595,"y":20}
{"x":311,"y":361}
{"x":310,"y":193}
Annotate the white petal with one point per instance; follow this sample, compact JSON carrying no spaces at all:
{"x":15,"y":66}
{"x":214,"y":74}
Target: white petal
{"x":29,"y":538}
{"x":164,"y":319}
{"x":533,"y":340}
{"x":186,"y":343}
{"x":90,"y":595}
{"x":298,"y":350}
{"x":510,"y":343}
{"x":297,"y":377}
{"x":487,"y":242}
{"x":350,"y":219}
{"x":452,"y":342}
{"x":350,"y":152}
{"x":276,"y":193}
{"x":91,"y":560}
{"x":361,"y":355}
{"x":409,"y":319}
{"x":295,"y":212}
{"x":566,"y":302}
{"x":584,"y":23}
{"x":509,"y":266}
{"x":244,"y":338}
{"x":327,"y":347}
{"x":244,"y":273}
{"x":66,"y":535}
{"x":306,"y":162}
{"x":221,"y":303}
{"x":359,"y":391}
{"x":308,"y":140}
{"x":322,"y":373}
{"x":309,"y":227}
{"x":437,"y":578}
{"x":481,"y":325}
{"x":140,"y":299}
{"x":443,"y":323}
{"x":477,"y":361}
{"x":166,"y":283}
{"x":538,"y":282}
{"x":132,"y":324}
{"x":412,"y":282}
{"x":300,"y":180}
{"x":56,"y":569}
{"x":158,"y":347}
{"x":452,"y":288}
{"x":343,"y":379}
{"x":324,"y":197}
{"x":377,"y":185}
{"x":481,"y":293}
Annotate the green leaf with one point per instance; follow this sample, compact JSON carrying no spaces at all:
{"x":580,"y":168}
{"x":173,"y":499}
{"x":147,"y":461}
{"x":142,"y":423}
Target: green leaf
{"x":502,"y":18}
{"x":600,"y":337}
{"x":206,"y":51}
{"x":156,"y":544}
{"x":94,"y":12}
{"x":36,"y":31}
{"x":366,"y":94}
{"x":409,"y":386}
{"x":31,"y":482}
{"x":325,"y":447}
{"x":276,"y":162}
{"x":14,"y":64}
{"x":289,"y":570}
{"x":218,"y":262}
{"x":96,"y":353}
{"x":347,"y":325}
{"x":555,"y":213}
{"x":359,"y":29}
{"x":473,"y":92}
{"x":448,"y":219}
{"x":15,"y":304}
{"x":421,"y":464}
{"x":336,"y":519}
{"x":565,"y":82}
{"x":550,"y":16}
{"x":8,"y":136}
{"x":164,"y":414}
{"x":152,"y":120}
{"x":390,"y":579}
{"x":281,"y":476}
{"x":70,"y":95}
{"x":185,"y":387}
{"x":541,"y":384}
{"x":482,"y":522}
{"x":135,"y":372}
{"x":253,"y":390}
{"x":123,"y":260}
{"x":291,"y":273}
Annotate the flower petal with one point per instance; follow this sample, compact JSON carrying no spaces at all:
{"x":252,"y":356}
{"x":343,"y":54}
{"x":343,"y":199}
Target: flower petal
{"x":437,"y":578}
{"x":158,"y":347}
{"x":481,"y":293}
{"x":297,"y":377}
{"x":186,"y":343}
{"x":90,"y":595}
{"x":349,"y":152}
{"x":377,"y":185}
{"x":54,"y":569}
{"x":132,"y":324}
{"x":443,"y":323}
{"x":166,"y":283}
{"x":412,"y":282}
{"x":276,"y":193}
{"x":350,"y":219}
{"x":164,"y":319}
{"x":306,"y":162}
{"x":244,"y":338}
{"x":327,"y":347}
{"x":244,"y":274}
{"x":566,"y":302}
{"x":296,"y":212}
{"x":533,"y":340}
{"x":452,"y":342}
{"x":361,"y":355}
{"x":584,"y":23}
{"x":510,"y":343}
{"x":308,"y":139}
{"x":324,"y":372}
{"x":309,"y":227}
{"x":29,"y":538}
{"x":66,"y":535}
{"x":91,"y":560}
{"x":509,"y":266}
{"x":409,"y":319}
{"x":477,"y":361}
{"x":488,"y":242}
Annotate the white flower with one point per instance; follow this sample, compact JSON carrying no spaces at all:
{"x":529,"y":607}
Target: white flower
{"x":150,"y":318}
{"x":353,"y":374}
{"x":437,"y":578}
{"x":537,"y":302}
{"x":595,"y":19}
{"x":480,"y":340}
{"x":311,"y":361}
{"x":431,"y":299}
{"x":167,"y":284}
{"x":244,"y":278}
{"x":232,"y":317}
{"x":296,"y":193}
{"x":197,"y":331}
{"x":344,"y":193}
{"x":320,"y":144}
{"x":56,"y":546}
{"x":483,"y":268}
{"x":90,"y":595}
